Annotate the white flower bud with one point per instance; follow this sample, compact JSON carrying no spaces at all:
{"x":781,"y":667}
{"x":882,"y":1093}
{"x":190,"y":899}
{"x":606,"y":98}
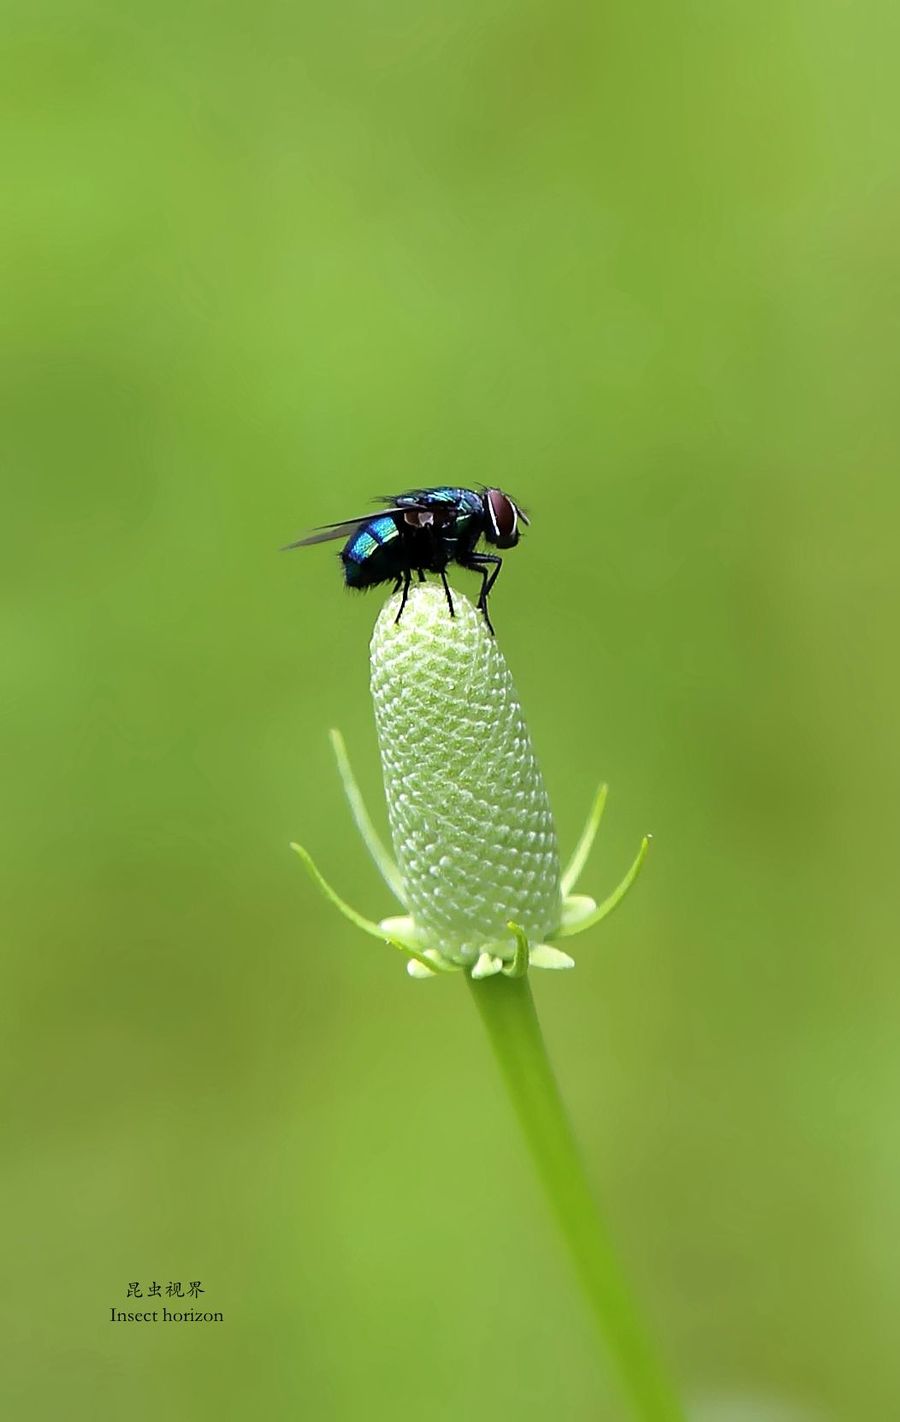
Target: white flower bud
{"x":470,"y":819}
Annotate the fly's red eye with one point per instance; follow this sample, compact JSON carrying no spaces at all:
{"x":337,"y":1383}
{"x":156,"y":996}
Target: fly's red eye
{"x":503,"y":517}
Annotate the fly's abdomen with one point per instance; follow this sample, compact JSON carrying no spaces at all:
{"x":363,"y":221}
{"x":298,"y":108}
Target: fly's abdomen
{"x":372,"y":554}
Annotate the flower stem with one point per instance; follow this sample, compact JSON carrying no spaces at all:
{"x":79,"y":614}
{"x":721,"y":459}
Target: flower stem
{"x":507,"y":1011}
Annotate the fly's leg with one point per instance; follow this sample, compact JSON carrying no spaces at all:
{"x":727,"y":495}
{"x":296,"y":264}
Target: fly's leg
{"x":479,"y":563}
{"x":447,"y":591}
{"x":407,"y":579}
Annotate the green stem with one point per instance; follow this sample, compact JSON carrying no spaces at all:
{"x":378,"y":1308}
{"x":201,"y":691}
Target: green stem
{"x":507,"y":1011}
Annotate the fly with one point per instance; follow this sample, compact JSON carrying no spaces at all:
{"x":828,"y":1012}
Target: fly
{"x":423,"y":531}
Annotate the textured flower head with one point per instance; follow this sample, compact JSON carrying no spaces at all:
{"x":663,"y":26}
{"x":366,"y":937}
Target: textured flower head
{"x":476,"y":861}
{"x":470,"y":818}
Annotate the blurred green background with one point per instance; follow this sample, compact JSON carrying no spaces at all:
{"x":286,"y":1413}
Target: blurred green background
{"x":639,"y":266}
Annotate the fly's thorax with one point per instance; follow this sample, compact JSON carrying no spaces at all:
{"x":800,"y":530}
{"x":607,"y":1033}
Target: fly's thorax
{"x":470,"y":819}
{"x":450,"y":526}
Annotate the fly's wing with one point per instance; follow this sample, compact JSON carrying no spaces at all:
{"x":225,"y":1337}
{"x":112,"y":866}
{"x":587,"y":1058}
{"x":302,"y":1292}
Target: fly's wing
{"x":336,"y":530}
{"x":437,"y":507}
{"x":419,"y":499}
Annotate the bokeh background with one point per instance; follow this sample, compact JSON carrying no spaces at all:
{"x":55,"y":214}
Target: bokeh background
{"x":638,"y":265}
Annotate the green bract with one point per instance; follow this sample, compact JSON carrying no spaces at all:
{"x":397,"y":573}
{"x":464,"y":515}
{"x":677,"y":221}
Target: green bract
{"x":476,"y":863}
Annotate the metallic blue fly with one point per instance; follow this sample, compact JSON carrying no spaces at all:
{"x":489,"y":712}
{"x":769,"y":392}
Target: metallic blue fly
{"x":423,"y":531}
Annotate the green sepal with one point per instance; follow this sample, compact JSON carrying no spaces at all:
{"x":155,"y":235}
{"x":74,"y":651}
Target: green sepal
{"x":370,"y":837}
{"x":577,"y":922}
{"x":355,"y":918}
{"x":519,"y":965}
{"x":585,"y":844}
